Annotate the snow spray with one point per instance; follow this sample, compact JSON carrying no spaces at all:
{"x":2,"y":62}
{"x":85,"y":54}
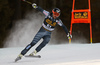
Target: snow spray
{"x":24,"y":30}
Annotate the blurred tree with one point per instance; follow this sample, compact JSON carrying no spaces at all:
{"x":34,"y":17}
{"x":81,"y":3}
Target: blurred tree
{"x":5,"y":20}
{"x":54,"y":3}
{"x":17,"y":13}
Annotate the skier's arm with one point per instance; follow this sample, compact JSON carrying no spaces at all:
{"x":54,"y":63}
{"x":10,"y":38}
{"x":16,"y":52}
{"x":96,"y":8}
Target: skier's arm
{"x":59,"y":22}
{"x":65,"y":29}
{"x":40,"y":9}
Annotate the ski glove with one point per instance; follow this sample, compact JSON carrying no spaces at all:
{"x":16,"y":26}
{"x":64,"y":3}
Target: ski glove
{"x":34,"y":5}
{"x":69,"y":36}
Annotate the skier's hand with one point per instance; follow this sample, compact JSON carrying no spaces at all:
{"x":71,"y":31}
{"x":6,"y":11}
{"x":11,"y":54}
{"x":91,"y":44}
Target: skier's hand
{"x":69,"y":36}
{"x":34,"y":5}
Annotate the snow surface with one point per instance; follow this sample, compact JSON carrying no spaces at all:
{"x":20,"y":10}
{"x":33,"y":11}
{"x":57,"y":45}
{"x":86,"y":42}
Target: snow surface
{"x":65,"y":54}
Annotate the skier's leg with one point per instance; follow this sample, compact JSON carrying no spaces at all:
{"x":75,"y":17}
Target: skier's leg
{"x":27,"y":48}
{"x":38,"y":36}
{"x":35,"y":40}
{"x":46,"y":39}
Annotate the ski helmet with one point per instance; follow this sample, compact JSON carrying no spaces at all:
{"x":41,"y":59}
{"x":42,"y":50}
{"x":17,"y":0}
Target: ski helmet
{"x":56,"y":12}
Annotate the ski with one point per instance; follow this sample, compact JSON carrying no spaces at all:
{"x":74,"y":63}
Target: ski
{"x":37,"y":56}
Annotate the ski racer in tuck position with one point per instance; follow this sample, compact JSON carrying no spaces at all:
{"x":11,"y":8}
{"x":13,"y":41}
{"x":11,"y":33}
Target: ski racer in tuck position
{"x":50,"y":21}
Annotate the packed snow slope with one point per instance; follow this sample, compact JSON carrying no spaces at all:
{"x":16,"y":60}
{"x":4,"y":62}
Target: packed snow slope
{"x":65,"y":54}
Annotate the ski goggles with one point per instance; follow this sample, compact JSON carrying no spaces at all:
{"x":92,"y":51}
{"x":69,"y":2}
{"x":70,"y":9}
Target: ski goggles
{"x":55,"y":13}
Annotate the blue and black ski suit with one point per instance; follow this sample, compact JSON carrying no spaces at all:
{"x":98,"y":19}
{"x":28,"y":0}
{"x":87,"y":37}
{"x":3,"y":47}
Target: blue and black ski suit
{"x":45,"y":31}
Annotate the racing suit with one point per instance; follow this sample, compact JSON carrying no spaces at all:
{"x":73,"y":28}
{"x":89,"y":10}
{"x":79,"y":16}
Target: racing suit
{"x":45,"y":31}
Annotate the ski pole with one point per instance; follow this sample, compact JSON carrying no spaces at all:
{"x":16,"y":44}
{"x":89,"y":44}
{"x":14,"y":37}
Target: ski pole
{"x":27,"y":1}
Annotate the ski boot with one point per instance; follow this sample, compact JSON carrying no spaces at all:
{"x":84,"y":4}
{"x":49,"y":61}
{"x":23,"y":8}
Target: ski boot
{"x":33,"y":53}
{"x":19,"y":57}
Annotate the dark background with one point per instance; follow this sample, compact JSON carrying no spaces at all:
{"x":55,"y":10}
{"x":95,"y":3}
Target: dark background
{"x":12,"y":10}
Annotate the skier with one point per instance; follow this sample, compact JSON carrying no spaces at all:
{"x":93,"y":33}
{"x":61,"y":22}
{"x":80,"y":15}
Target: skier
{"x":50,"y":21}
